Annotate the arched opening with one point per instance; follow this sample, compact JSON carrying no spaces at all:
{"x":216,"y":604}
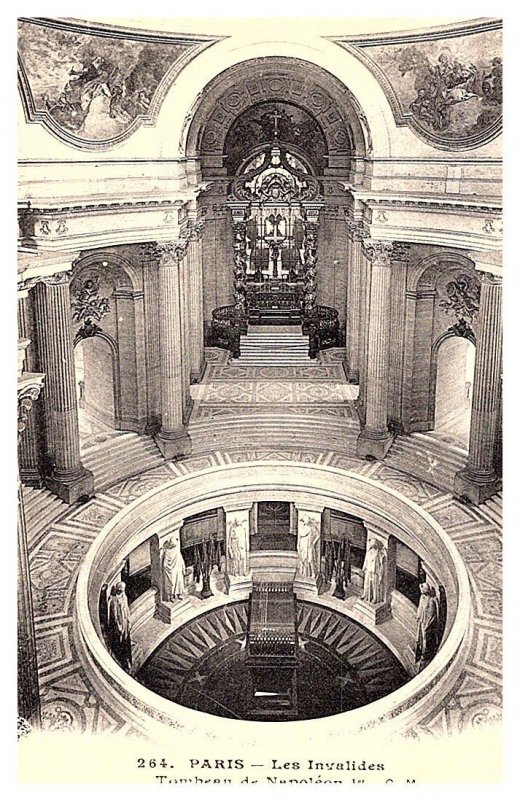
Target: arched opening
{"x":97,"y":395}
{"x":454,"y":390}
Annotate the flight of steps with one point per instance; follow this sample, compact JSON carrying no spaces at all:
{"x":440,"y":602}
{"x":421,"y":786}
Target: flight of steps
{"x":121,"y":457}
{"x":427,"y":458}
{"x":269,"y":347}
{"x":41,"y":509}
{"x":283,"y":430}
{"x":492,"y":509}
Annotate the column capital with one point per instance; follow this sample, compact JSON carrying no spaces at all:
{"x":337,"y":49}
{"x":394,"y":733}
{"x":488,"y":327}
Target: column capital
{"x":356,"y":229}
{"x":377,"y":252}
{"x":490,"y":278}
{"x":195,"y":229}
{"x":29,"y":388}
{"x":383,"y":253}
{"x":57,"y":279}
{"x":173,"y":252}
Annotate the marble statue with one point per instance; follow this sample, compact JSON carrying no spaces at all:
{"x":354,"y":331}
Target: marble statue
{"x":374,"y":573}
{"x":173,"y":569}
{"x":237,"y":548}
{"x":308,"y":547}
{"x":427,"y":640}
{"x":119,"y":626}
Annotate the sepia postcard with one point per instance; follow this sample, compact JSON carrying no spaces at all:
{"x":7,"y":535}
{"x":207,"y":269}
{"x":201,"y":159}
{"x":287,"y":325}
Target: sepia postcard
{"x":259,"y":400}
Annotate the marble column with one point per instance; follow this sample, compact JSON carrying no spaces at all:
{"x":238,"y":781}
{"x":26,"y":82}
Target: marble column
{"x":173,"y":439}
{"x":29,"y":443}
{"x":182,"y":251}
{"x":308,"y":577}
{"x":366,"y":275}
{"x":68,"y":477}
{"x":196,"y":333}
{"x":29,"y":387}
{"x":479,"y":480}
{"x":149,"y":256}
{"x":375,"y":439}
{"x":237,"y":577}
{"x":374,"y":606}
{"x":354,"y":303}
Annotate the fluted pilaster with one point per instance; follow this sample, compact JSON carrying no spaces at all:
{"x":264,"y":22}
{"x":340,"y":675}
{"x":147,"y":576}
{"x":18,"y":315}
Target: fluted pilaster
{"x":68,"y":478}
{"x":196,"y":302}
{"x":479,"y":479}
{"x":375,"y":438}
{"x":354,"y":301}
{"x":29,"y":388}
{"x":29,"y":455}
{"x":185,"y":328}
{"x":172,"y":439}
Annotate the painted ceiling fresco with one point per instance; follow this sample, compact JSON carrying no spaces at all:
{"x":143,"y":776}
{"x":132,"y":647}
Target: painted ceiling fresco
{"x":450,"y":88}
{"x":259,"y":124}
{"x":93,"y":86}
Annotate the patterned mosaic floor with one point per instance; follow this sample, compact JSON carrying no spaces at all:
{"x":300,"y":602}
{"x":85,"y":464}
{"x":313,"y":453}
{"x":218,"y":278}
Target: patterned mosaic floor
{"x":69,"y":701}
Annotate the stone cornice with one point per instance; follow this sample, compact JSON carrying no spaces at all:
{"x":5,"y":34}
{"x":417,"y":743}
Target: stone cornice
{"x":419,"y":34}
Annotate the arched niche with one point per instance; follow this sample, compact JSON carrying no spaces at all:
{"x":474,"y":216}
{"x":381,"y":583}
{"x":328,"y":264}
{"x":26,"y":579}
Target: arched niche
{"x":431,"y":318}
{"x":107,"y":305}
{"x":453,"y":365}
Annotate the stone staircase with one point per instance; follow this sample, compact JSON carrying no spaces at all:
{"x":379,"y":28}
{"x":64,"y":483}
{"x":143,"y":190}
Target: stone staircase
{"x":271,"y":430}
{"x":492,"y":509}
{"x":427,"y":458}
{"x":41,"y":509}
{"x":121,"y":457}
{"x":271,"y":347}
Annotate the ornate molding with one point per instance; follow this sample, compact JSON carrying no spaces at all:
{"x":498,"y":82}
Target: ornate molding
{"x":463,"y":329}
{"x":29,"y":388}
{"x":383,"y":253}
{"x":357,"y":231}
{"x":170,"y":253}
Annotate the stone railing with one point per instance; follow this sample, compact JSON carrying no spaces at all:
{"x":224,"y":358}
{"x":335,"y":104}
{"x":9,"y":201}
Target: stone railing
{"x":322,"y":325}
{"x":227,"y":325}
{"x":291,"y":482}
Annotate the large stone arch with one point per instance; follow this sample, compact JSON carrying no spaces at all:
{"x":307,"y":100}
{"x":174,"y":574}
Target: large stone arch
{"x":284,"y":80}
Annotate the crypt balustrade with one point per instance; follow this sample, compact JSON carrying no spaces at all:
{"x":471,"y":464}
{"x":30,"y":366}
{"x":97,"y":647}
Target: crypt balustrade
{"x":318,"y":495}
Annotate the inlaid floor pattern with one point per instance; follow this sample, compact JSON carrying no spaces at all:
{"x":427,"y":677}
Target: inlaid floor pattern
{"x":340,"y":665}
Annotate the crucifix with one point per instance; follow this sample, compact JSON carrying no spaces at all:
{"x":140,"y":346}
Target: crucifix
{"x":276,"y":117}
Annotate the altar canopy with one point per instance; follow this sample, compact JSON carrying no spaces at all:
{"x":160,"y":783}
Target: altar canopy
{"x":275,"y":201}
